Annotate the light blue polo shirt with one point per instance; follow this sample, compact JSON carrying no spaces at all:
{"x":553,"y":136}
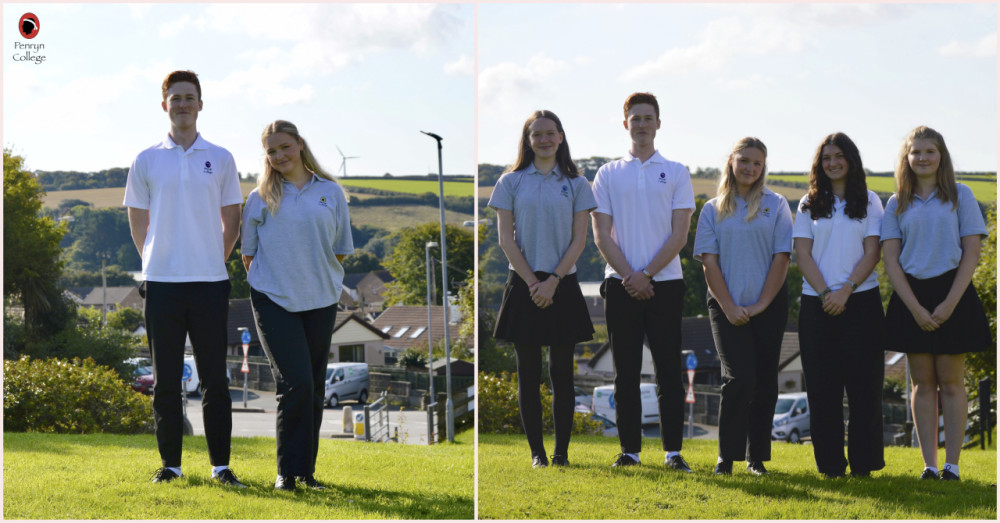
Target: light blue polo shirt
{"x":295,"y":250}
{"x":745,"y":248}
{"x":931,"y":231}
{"x":543,"y":207}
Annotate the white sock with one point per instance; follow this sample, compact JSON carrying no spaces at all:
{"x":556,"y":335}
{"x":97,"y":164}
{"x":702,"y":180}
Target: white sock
{"x":932,"y":469}
{"x":952,"y":468}
{"x":633,"y":456}
{"x":175,"y":470}
{"x":671,"y":454}
{"x":218,"y":470}
{"x":720,"y":460}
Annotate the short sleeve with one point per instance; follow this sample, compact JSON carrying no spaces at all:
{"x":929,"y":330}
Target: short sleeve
{"x":584,"y":200}
{"x":231,"y":193}
{"x":601,"y":194}
{"x":875,"y":213}
{"x":803,"y":227}
{"x":503,"y":194}
{"x":970,"y":219}
{"x":137,"y":185}
{"x":782,"y":239}
{"x":252,"y":218}
{"x":684,"y":195}
{"x":344,"y":243}
{"x":890,"y":221}
{"x":705,"y":240}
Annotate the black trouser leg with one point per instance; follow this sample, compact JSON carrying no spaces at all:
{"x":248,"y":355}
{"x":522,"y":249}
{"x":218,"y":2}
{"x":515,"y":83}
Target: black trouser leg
{"x":319,"y":324}
{"x":166,"y":328}
{"x":662,"y":318}
{"x":823,"y":364}
{"x":207,"y":319}
{"x":625,"y":333}
{"x":563,"y":396}
{"x":769,"y":329}
{"x":529,"y":379}
{"x":865,"y":372}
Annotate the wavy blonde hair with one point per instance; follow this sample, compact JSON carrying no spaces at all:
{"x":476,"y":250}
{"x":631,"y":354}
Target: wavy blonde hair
{"x":727,"y":183}
{"x":906,"y":179}
{"x":270,"y":186}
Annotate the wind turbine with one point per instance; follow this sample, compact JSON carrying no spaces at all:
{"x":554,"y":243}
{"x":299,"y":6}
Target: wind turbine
{"x":343,"y":161}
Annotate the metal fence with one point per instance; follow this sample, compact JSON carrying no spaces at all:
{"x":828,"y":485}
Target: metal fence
{"x":377,"y":429}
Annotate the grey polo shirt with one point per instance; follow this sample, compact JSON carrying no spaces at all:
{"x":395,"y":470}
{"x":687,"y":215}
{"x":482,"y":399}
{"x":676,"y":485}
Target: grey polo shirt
{"x":295,"y":250}
{"x":745,"y":248}
{"x":931,"y":231}
{"x":543,"y":207}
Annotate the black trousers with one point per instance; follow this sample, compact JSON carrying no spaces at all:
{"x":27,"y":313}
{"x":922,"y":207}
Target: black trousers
{"x":298,"y":346}
{"x":838,"y":353}
{"x":659,"y":320}
{"x":749,"y":355}
{"x":529,"y":379}
{"x":199,"y":310}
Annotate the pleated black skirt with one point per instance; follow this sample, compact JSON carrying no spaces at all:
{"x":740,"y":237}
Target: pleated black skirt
{"x":565,"y":322}
{"x":967,"y":330}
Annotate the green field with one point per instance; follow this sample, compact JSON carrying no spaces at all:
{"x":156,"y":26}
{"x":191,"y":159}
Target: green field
{"x":590,"y":489}
{"x":451,"y":188}
{"x":101,"y":476}
{"x":984,"y":191}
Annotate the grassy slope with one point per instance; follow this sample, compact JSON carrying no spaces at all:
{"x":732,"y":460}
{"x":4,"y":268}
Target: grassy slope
{"x":411,"y":186}
{"x":49,"y":476}
{"x":590,"y":489}
{"x":984,"y":191}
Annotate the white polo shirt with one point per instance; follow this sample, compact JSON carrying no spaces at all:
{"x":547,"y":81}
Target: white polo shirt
{"x":641,"y":198}
{"x":183,"y":192}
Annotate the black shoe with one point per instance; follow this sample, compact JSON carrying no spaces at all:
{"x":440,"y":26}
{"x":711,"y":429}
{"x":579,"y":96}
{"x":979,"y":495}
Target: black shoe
{"x":226,"y":477}
{"x":929,"y":474}
{"x":286,"y":483}
{"x":677,"y":463}
{"x":623,"y":460}
{"x":311,"y":482}
{"x":757,"y":468}
{"x":538,"y":462}
{"x":163,"y":475}
{"x":560,"y":461}
{"x":947,"y":475}
{"x":724,"y":467}
{"x":835,"y":475}
{"x":861,"y":474}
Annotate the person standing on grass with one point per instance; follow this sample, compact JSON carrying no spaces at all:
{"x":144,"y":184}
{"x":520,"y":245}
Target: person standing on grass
{"x":931,"y":237}
{"x":296,"y":231}
{"x":743,"y":241}
{"x":644,"y":206}
{"x":836,"y":237}
{"x":183,"y":198}
{"x":542,"y":206}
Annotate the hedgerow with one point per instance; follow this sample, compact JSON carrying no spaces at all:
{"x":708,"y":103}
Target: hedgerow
{"x":499,"y":413}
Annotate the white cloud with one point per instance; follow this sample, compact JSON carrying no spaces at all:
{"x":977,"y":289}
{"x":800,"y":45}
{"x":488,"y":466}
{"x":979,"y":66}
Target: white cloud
{"x":463,"y":66}
{"x":743,"y":83}
{"x":984,"y":48}
{"x":504,"y":85}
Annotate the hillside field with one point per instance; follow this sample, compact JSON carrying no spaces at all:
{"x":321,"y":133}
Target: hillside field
{"x":699,"y":185}
{"x":984,"y":191}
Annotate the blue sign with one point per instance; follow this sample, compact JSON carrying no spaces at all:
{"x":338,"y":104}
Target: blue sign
{"x":245,"y":338}
{"x":187,"y":372}
{"x":692,"y":361}
{"x":611,"y":400}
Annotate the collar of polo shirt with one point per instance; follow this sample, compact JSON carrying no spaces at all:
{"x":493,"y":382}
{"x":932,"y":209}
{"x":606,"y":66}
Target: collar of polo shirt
{"x":656,"y":158}
{"x":198,"y":143}
{"x":555,"y":170}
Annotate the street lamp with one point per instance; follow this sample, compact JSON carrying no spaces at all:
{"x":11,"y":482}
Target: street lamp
{"x":430,"y":339}
{"x":449,"y":405}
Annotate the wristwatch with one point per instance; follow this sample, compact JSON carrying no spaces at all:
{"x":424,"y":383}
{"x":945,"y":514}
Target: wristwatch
{"x":854,"y":286}
{"x":648,"y":275}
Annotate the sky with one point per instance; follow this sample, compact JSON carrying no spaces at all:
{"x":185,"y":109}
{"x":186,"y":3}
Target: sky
{"x":787,"y":73}
{"x":362,"y":78}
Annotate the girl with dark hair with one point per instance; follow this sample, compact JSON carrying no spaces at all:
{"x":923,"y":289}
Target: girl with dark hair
{"x":836,"y":237}
{"x":543,"y":205}
{"x":931,"y":236}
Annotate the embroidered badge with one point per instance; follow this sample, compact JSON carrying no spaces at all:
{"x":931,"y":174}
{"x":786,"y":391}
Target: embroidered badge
{"x":663,"y":178}
{"x":766,"y":211}
{"x":565,"y":191}
{"x":322,"y":201}
{"x":208,"y":167}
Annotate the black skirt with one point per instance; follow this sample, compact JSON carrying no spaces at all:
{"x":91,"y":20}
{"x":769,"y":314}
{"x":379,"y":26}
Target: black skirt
{"x":967,"y":330}
{"x":565,"y":322}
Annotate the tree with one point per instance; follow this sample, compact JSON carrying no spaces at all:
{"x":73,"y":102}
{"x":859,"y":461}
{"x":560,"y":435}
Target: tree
{"x":361,"y":262}
{"x":31,"y":264}
{"x":126,"y":319}
{"x":984,"y":364}
{"x":407,"y":262}
{"x":412,"y":358}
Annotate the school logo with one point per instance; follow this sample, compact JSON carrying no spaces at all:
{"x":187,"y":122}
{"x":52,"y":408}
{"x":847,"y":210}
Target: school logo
{"x":565,"y":191}
{"x":28,"y":25}
{"x":663,"y":178}
{"x":766,"y":211}
{"x":322,"y":201}
{"x":208,"y":167}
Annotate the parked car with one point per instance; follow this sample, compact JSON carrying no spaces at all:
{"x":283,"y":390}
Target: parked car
{"x":604,"y":402}
{"x":609,"y":427}
{"x":791,"y":417}
{"x":582,"y":398}
{"x":142,"y":380}
{"x":192,"y":385}
{"x":346,"y":381}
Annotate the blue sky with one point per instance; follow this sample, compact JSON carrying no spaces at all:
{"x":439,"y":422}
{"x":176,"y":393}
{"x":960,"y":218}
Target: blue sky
{"x":364,"y":78}
{"x":787,"y":73}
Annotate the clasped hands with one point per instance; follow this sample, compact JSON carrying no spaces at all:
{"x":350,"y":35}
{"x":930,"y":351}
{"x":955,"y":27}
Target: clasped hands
{"x":638,"y":285}
{"x":542,"y":292}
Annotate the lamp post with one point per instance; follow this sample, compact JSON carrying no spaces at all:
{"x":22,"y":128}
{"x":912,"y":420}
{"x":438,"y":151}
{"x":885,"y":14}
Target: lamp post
{"x":430,"y":339}
{"x":449,"y":405}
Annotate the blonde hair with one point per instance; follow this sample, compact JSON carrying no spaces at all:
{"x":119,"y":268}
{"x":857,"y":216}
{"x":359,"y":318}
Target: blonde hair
{"x":727,"y":183}
{"x":270,"y":186}
{"x":906,"y":179}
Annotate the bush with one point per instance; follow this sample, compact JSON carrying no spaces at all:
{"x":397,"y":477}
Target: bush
{"x":71,"y":397}
{"x":499,"y":413}
{"x":107,"y":347}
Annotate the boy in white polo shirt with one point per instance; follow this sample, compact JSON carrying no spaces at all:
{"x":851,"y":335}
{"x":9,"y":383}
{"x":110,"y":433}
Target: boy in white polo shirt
{"x":644,"y":206}
{"x":183,"y":198}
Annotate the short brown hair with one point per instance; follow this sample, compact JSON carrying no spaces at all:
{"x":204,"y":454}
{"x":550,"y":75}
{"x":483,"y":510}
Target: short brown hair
{"x":639,"y":98}
{"x":181,"y":76}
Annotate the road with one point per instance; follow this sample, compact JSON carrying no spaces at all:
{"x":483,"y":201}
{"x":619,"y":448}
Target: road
{"x":259,"y":418}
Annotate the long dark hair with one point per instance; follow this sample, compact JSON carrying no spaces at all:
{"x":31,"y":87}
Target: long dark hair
{"x":525,"y":156}
{"x":820,"y":200}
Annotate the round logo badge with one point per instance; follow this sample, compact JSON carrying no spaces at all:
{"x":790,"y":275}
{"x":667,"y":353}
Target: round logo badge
{"x":28,"y":25}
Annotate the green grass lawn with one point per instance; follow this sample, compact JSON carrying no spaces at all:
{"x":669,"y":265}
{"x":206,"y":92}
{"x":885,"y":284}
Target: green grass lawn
{"x":100,"y":476}
{"x":984,"y":191}
{"x":451,"y":188}
{"x":590,"y":489}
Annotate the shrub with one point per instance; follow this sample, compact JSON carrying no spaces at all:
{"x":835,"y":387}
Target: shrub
{"x":107,"y":347}
{"x":76,"y":397}
{"x":499,"y":413}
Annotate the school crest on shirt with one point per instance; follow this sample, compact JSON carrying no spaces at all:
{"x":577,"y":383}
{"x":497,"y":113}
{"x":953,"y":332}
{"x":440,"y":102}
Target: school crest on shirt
{"x":766,"y":211}
{"x":565,"y":191}
{"x":208,"y":168}
{"x":662,"y":178}
{"x":322,"y":201}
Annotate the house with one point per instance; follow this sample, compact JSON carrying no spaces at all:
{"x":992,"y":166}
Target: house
{"x":117,"y":297}
{"x":241,"y":315}
{"x":356,"y":340}
{"x":406,"y":326}
{"x":364,"y":291}
{"x":458,"y":367}
{"x":595,"y":303}
{"x":790,"y":374}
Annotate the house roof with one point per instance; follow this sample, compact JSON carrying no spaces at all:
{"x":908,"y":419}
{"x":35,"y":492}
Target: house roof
{"x":789,"y":349}
{"x":407,"y":325}
{"x":458,"y":367}
{"x":363,"y":323}
{"x":95,"y":295}
{"x":696,"y":336}
{"x":351,"y":280}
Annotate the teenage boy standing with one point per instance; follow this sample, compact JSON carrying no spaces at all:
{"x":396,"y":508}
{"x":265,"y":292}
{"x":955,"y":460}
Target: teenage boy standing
{"x":644,"y":206}
{"x":183,"y":198}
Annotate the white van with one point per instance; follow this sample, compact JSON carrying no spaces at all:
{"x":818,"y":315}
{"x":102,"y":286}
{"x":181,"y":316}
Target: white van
{"x":604,"y":402}
{"x":192,"y":385}
{"x":346,"y":381}
{"x":791,"y":417}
